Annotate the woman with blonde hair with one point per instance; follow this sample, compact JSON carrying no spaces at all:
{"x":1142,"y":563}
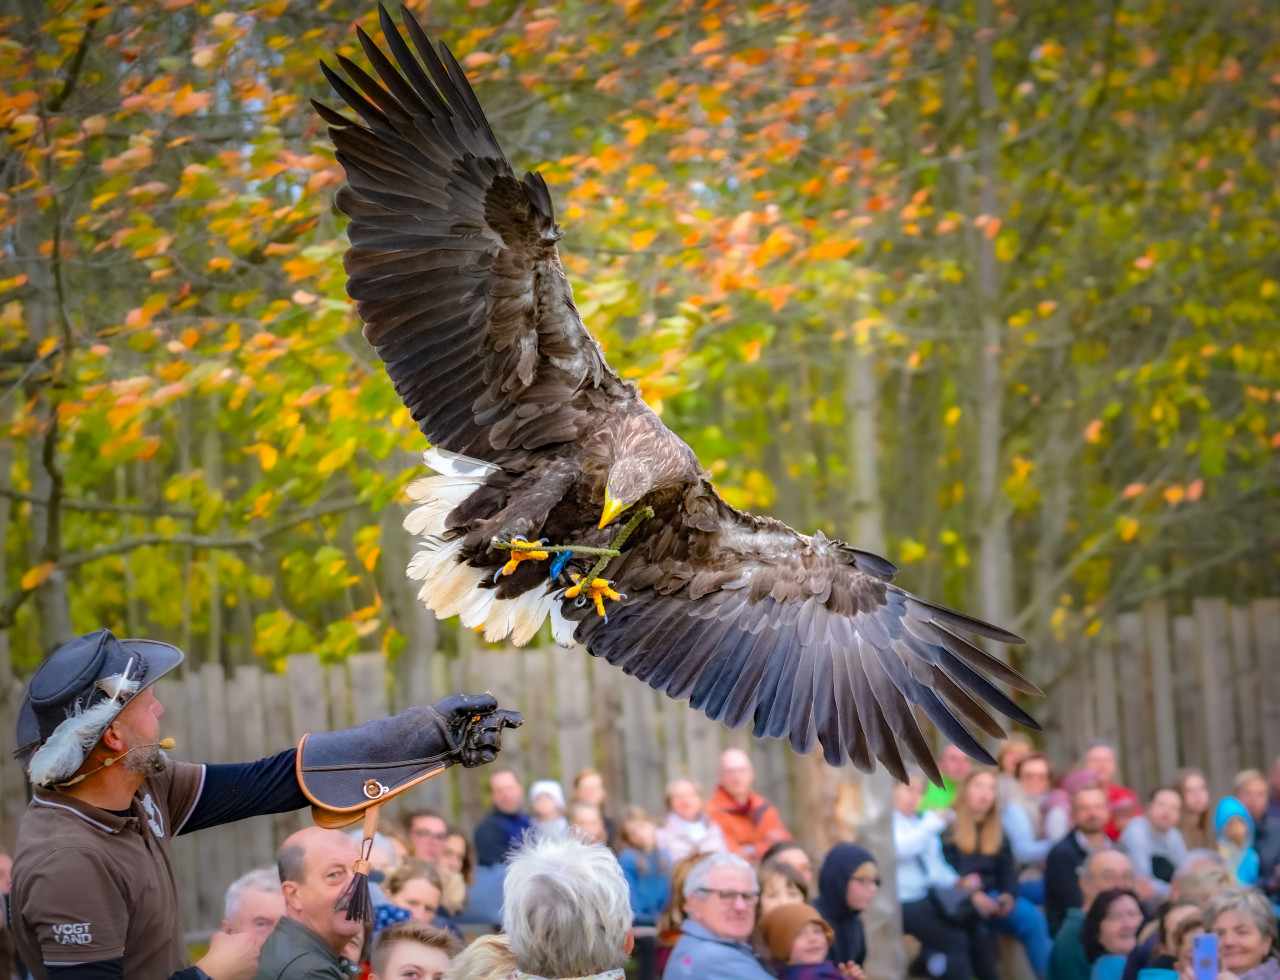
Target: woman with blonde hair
{"x":487,"y":958}
{"x":420,"y":887}
{"x":1196,"y":821}
{"x":976,"y":847}
{"x":670,"y":921}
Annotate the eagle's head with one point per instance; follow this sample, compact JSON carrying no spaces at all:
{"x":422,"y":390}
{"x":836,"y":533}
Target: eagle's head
{"x":630,"y":478}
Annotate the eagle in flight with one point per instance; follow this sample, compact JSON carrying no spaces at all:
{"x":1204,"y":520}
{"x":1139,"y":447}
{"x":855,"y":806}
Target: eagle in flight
{"x":454,"y":269}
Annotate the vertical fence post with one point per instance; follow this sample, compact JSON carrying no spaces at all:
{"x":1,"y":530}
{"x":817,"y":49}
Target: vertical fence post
{"x":1247,"y":687}
{"x":1155,"y":626}
{"x":1135,"y":721}
{"x":1215,"y":677}
{"x":1266,"y":630}
{"x":1190,"y":706}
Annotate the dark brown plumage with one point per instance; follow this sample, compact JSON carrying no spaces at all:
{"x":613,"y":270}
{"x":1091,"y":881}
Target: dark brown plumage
{"x":454,"y":267}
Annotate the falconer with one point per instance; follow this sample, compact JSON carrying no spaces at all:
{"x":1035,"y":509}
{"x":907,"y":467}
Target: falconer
{"x":93,"y":893}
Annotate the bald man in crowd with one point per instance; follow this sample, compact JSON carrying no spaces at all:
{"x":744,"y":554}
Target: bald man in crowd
{"x":1101,"y":871}
{"x":751,"y":823}
{"x":315,"y":866}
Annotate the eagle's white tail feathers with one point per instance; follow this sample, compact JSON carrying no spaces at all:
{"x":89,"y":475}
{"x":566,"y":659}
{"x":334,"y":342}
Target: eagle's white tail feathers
{"x":435,"y":555}
{"x":454,"y":588}
{"x":476,"y":609}
{"x":451,"y":587}
{"x":439,"y":496}
{"x":561,"y":628}
{"x":459,"y":476}
{"x":498,"y":625}
{"x":530,"y":612}
{"x":455,"y":464}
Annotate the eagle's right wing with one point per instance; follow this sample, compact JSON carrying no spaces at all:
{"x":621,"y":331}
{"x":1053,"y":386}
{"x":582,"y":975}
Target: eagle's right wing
{"x":807,"y":638}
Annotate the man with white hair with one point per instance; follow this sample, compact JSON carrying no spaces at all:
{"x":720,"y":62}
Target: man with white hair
{"x":254,"y":904}
{"x":566,"y":910}
{"x":720,"y":903}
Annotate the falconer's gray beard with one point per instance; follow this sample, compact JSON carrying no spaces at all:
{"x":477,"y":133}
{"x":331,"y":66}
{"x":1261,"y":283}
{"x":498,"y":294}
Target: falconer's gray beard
{"x":145,"y":761}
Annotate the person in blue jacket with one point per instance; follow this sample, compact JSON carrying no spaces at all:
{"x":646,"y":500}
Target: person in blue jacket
{"x":1234,"y":827}
{"x":648,"y":871}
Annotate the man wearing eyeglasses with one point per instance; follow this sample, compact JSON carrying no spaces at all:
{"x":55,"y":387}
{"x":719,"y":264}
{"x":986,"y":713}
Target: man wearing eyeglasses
{"x":427,"y":833}
{"x":720,"y":902}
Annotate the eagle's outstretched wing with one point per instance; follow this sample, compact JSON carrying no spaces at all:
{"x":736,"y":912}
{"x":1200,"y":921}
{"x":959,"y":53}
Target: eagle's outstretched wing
{"x":805,"y":637}
{"x":453,"y":261}
{"x":454,"y":267}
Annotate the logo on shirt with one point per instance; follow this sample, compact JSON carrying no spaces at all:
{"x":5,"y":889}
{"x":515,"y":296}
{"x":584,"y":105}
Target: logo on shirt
{"x":73,"y":933}
{"x":155,"y":820}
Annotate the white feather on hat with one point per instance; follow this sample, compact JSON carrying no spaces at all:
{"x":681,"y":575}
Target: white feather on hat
{"x":57,"y":760}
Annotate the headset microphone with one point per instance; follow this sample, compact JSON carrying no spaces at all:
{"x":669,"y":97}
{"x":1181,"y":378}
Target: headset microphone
{"x":164,"y":743}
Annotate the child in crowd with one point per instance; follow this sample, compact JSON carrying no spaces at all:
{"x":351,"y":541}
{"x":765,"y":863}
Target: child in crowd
{"x":780,"y":884}
{"x":647,"y":868}
{"x":1235,"y":832}
{"x":546,"y":807}
{"x":798,"y":939}
{"x":648,"y":872}
{"x":1163,"y":959}
{"x":589,"y":822}
{"x":412,"y":951}
{"x":1184,"y":937}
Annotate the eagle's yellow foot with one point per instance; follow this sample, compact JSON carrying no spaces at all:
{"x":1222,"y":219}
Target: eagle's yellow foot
{"x":522,"y":550}
{"x":596,"y":591}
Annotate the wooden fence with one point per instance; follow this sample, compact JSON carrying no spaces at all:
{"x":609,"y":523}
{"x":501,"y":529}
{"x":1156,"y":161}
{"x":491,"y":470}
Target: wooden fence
{"x":1201,"y":689}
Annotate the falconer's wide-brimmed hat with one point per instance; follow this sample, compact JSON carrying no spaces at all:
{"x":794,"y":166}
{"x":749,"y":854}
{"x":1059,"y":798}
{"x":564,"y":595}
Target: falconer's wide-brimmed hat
{"x":77,"y":693}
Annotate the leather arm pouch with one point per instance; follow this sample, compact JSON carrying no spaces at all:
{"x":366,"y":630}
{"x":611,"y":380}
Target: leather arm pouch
{"x":343,"y":773}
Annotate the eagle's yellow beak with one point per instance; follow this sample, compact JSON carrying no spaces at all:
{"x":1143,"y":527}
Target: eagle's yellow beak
{"x":612,"y":508}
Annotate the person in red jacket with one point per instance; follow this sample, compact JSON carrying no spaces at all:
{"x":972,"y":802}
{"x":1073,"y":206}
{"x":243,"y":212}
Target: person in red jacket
{"x":1101,"y":760}
{"x":751,"y":823}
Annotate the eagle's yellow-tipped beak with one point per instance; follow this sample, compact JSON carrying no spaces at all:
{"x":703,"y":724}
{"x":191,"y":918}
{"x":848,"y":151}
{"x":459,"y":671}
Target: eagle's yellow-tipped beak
{"x":612,"y":508}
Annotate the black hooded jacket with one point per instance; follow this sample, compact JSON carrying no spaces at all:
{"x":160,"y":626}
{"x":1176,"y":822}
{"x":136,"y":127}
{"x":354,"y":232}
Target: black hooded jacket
{"x":833,"y":883}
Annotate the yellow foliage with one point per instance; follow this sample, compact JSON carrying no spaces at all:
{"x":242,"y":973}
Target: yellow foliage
{"x":1127,"y":528}
{"x":37,"y":576}
{"x":833,"y":248}
{"x":911,"y":551}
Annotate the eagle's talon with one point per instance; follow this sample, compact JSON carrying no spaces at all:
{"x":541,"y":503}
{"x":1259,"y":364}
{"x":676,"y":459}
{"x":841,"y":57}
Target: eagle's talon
{"x":596,"y":592}
{"x":521,"y":550}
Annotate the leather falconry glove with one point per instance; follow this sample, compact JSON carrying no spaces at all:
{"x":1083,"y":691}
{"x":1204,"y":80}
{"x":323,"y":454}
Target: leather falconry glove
{"x":344,"y":772}
{"x":351,"y":773}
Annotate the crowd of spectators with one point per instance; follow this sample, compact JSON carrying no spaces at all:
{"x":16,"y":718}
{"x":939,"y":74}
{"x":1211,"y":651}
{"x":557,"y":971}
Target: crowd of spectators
{"x":1092,"y":883}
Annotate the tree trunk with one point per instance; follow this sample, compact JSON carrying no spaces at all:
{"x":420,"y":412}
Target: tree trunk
{"x":854,"y":805}
{"x":53,"y":607}
{"x":211,"y":453}
{"x":995,"y":595}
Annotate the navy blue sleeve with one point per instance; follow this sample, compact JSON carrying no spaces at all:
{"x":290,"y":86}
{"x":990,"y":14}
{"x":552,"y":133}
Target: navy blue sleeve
{"x":247,"y":789}
{"x":101,"y":970}
{"x":112,"y":970}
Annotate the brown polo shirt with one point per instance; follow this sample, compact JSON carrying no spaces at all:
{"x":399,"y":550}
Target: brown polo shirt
{"x":91,"y":885}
